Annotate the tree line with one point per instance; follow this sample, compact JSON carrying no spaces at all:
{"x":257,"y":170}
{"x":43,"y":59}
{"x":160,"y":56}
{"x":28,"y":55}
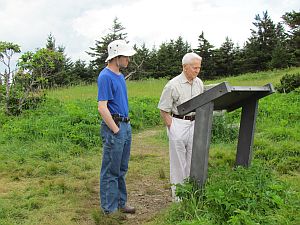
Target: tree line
{"x":270,"y":46}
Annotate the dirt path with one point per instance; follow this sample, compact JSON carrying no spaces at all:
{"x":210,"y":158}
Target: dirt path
{"x":148,"y":176}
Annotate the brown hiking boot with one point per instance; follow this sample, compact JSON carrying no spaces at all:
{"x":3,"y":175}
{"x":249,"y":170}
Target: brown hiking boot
{"x":127,"y":209}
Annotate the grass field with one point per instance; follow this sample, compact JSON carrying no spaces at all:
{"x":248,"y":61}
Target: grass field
{"x":153,"y":87}
{"x":50,"y":159}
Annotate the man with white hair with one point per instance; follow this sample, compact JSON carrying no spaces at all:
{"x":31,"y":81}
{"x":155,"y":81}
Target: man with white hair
{"x":115,"y":129}
{"x":180,"y":129}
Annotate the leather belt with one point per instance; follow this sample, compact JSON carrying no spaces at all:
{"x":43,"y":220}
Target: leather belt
{"x":118,"y":118}
{"x":191,"y":118}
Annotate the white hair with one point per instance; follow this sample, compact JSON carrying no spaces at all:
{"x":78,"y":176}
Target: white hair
{"x":189,"y":57}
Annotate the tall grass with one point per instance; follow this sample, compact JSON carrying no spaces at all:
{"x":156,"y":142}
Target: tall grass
{"x":257,"y":79}
{"x":146,"y":88}
{"x":278,"y":132}
{"x":240,"y":196}
{"x":153,"y":87}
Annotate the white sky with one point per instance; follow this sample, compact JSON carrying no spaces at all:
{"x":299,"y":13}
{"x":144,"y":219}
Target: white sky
{"x":77,"y":24}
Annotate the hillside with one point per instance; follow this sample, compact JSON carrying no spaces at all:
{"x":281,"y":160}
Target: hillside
{"x":50,"y":159}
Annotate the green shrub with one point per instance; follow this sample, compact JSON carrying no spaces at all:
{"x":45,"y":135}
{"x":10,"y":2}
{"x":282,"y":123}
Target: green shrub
{"x":18,"y":101}
{"x":224,"y":129}
{"x":241,"y":196}
{"x":143,"y":112}
{"x":53,"y":121}
{"x":288,"y":83}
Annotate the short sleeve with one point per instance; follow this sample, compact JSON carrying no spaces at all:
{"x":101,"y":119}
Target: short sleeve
{"x":105,"y":88}
{"x":166,"y":100}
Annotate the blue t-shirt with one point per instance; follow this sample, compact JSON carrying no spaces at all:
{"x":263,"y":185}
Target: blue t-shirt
{"x":112,"y":88}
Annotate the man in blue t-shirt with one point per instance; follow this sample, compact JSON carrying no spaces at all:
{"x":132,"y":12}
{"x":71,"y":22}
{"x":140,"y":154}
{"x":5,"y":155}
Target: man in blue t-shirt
{"x":115,"y":129}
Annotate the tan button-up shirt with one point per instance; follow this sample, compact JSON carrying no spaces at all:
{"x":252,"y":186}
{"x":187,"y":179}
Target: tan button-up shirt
{"x":177,"y":91}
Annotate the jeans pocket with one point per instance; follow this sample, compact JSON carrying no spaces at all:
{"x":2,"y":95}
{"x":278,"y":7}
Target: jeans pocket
{"x":116,"y":139}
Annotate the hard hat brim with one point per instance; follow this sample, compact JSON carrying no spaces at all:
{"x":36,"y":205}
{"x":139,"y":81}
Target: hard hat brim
{"x":125,"y":53}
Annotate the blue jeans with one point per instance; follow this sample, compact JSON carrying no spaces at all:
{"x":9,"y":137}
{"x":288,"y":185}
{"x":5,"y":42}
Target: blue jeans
{"x":115,"y":158}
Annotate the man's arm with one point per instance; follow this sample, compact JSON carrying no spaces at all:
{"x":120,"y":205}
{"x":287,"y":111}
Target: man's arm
{"x":166,"y":117}
{"x":106,"y":116}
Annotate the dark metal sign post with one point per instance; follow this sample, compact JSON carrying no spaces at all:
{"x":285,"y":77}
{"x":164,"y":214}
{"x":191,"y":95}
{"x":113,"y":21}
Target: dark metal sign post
{"x":230,"y":98}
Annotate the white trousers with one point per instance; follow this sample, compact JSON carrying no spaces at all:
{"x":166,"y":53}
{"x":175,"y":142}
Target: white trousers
{"x":180,"y":136}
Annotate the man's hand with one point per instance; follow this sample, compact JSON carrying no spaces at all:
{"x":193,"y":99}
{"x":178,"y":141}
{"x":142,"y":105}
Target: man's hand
{"x":106,"y":116}
{"x":166,"y":117}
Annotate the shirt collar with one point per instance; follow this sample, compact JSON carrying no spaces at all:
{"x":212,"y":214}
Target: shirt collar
{"x":183,"y":79}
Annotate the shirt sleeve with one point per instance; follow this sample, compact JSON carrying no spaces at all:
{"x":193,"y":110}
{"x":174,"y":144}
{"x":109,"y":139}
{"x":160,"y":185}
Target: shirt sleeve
{"x":166,"y":100}
{"x":105,"y":88}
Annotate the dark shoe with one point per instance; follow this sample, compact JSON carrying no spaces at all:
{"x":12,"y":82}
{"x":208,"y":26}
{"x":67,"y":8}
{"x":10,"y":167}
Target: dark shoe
{"x":127,"y":209}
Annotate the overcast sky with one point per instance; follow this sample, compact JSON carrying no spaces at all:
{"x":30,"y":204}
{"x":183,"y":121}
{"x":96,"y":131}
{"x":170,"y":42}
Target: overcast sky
{"x":77,"y":24}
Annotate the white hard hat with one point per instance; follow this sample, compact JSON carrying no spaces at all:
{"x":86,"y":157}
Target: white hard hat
{"x":117,"y":48}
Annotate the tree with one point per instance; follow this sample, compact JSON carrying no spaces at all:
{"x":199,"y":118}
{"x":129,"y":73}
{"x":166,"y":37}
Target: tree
{"x":180,"y":49}
{"x":292,"y":20}
{"x":99,"y":52}
{"x":81,"y":72}
{"x":140,"y":61}
{"x":281,"y":55}
{"x":169,"y":57}
{"x":165,"y":60}
{"x":61,"y":74}
{"x":40,"y":65}
{"x":239,"y":60}
{"x":50,"y":42}
{"x":205,"y":50}
{"x":35,"y":70}
{"x":224,"y":58}
{"x":148,"y":61}
{"x":260,"y":45}
{"x":7,"y":50}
